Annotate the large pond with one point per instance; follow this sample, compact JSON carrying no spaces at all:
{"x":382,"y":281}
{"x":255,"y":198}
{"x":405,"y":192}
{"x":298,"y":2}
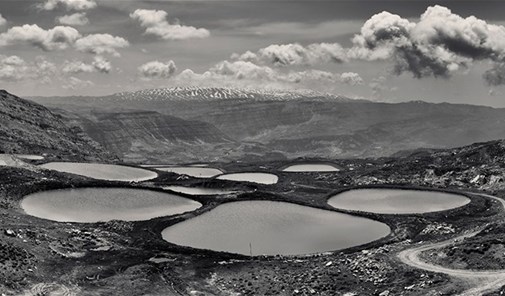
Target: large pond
{"x":271,"y":228}
{"x":102,"y":171}
{"x":311,"y":167}
{"x":104,"y":204}
{"x":199,"y":190}
{"x":261,"y":178}
{"x":198,"y":172}
{"x":397,"y":201}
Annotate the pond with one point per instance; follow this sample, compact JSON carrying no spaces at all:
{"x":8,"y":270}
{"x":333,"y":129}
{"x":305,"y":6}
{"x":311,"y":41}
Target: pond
{"x":29,"y":156}
{"x":397,"y":201}
{"x":261,"y":178}
{"x":102,"y":171}
{"x":104,"y":204}
{"x":199,"y":190}
{"x":198,"y":172}
{"x":311,"y":167}
{"x":271,"y":228}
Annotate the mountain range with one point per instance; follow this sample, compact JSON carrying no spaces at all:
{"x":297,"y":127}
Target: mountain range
{"x":210,"y":124}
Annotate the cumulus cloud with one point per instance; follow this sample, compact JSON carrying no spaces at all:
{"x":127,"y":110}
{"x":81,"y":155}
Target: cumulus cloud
{"x":3,"y":21}
{"x":295,"y":54}
{"x":101,"y":44}
{"x":155,"y":23}
{"x":496,"y":75}
{"x":62,"y":37}
{"x":99,"y":64}
{"x":68,"y":4}
{"x":59,"y":37}
{"x":76,"y":83}
{"x":440,"y":43}
{"x":246,"y":73}
{"x":156,"y":69}
{"x":14,"y":68}
{"x":76,"y":19}
{"x":75,"y":67}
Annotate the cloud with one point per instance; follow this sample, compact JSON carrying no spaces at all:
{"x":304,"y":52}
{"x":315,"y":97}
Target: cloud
{"x":295,"y":54}
{"x":75,"y":67}
{"x":156,"y":69}
{"x":99,"y":64}
{"x":68,"y":4}
{"x":76,"y":83}
{"x":59,"y":37}
{"x":101,"y":44}
{"x":14,"y":68}
{"x":62,"y":37}
{"x":439,"y":44}
{"x":3,"y":21}
{"x":247,"y":74}
{"x":76,"y":19}
{"x":496,"y":75}
{"x":155,"y":23}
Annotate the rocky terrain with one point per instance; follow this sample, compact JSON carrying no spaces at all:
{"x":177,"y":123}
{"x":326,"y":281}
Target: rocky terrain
{"x":43,"y":257}
{"x":27,"y":127}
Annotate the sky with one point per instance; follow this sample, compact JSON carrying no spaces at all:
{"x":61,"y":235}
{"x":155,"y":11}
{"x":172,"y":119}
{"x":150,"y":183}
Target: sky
{"x":392,"y":51}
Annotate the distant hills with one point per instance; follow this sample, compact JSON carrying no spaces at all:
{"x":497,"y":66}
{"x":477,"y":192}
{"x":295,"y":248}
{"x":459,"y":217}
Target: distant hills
{"x":226,"y":124}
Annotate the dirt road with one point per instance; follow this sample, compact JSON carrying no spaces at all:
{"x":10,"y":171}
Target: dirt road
{"x":482,"y":281}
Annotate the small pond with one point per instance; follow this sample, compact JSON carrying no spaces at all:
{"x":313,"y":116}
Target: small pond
{"x":199,"y":190}
{"x":198,"y":172}
{"x":102,"y":171}
{"x":397,"y":201}
{"x":261,"y":178}
{"x":311,"y":167}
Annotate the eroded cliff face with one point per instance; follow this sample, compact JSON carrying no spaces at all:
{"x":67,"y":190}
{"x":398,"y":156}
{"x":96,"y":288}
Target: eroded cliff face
{"x":30,"y":128}
{"x":141,"y":136}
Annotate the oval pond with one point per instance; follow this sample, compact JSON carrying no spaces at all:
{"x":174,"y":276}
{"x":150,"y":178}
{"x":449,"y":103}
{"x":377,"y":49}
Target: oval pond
{"x":261,"y":178}
{"x":198,"y":172}
{"x":271,"y":228}
{"x":101,"y":171}
{"x":396,"y":201}
{"x":104,"y":204}
{"x":311,"y":167}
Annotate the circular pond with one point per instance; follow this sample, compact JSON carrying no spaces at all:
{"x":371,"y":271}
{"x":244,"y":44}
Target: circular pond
{"x":396,"y":201}
{"x":198,"y":172}
{"x":261,"y":178}
{"x":102,"y":171}
{"x":310,"y":167}
{"x":271,"y":228}
{"x":104,"y":204}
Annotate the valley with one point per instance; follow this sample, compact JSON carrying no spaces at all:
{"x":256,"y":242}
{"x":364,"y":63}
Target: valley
{"x":248,"y":125}
{"x":422,"y":253}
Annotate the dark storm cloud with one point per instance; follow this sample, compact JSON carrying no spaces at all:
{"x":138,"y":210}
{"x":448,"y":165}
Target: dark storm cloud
{"x":441,"y":42}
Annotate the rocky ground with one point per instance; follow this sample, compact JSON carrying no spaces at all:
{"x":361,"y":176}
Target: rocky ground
{"x":41,"y":257}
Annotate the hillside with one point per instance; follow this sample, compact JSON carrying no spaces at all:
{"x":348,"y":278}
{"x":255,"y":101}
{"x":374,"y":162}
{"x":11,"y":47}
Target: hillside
{"x":140,"y":136}
{"x":304,"y":124}
{"x":30,"y":128}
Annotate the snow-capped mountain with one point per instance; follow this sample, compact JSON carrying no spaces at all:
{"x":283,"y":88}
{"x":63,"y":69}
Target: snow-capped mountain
{"x":213,"y":93}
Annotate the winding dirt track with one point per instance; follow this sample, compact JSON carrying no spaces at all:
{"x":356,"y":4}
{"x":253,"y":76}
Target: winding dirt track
{"x":482,"y":281}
